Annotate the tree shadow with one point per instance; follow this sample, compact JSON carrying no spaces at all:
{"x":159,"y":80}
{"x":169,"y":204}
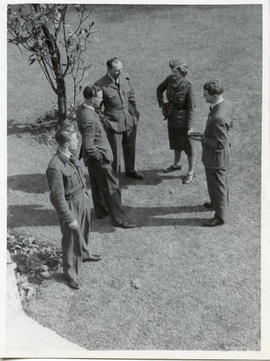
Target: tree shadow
{"x":17,"y":128}
{"x":28,"y":183}
{"x":30,"y":216}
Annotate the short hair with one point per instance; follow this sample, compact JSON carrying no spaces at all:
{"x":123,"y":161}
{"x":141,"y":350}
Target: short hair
{"x":111,"y":61}
{"x":63,"y":134}
{"x":213,"y":87}
{"x":90,"y":92}
{"x":69,"y":125}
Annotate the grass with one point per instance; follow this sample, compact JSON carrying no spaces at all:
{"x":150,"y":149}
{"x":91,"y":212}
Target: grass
{"x":198,"y":289}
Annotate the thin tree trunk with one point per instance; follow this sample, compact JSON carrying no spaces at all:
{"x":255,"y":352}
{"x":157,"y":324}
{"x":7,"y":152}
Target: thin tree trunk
{"x":61,"y":99}
{"x":60,"y":81}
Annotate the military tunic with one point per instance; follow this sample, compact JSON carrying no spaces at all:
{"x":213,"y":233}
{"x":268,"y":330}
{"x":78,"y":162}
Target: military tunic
{"x":71,"y":200}
{"x":122,"y":118}
{"x":98,"y":158}
{"x":179,"y":111}
{"x":216,"y":156}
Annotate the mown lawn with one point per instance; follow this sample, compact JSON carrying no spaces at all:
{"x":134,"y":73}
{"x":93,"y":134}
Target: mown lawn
{"x":198,"y":288}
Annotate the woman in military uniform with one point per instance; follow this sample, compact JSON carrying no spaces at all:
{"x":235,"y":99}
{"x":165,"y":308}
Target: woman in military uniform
{"x":179,"y":112}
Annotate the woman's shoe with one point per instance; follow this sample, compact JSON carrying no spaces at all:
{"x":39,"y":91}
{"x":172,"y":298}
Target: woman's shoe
{"x":172,"y":168}
{"x":188,"y":179}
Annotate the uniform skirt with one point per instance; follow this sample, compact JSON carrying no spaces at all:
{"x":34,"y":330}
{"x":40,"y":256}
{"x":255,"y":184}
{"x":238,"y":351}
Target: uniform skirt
{"x":179,"y":140}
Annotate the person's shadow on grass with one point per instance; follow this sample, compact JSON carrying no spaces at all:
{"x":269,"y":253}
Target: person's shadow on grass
{"x":153,"y":217}
{"x":152,"y":177}
{"x":30,"y":216}
{"x":28,"y":183}
{"x":160,"y":216}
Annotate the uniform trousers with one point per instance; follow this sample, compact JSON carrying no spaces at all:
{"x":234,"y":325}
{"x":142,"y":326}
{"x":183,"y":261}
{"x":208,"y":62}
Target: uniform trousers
{"x":105,"y":191}
{"x":127,"y":141}
{"x":217,"y":184}
{"x":75,"y":244}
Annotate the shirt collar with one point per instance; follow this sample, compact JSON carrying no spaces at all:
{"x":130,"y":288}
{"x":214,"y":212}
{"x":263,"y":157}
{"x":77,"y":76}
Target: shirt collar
{"x":63,"y":156}
{"x":116,"y":81}
{"x":216,"y":103}
{"x":109,"y":75}
{"x":89,"y":107}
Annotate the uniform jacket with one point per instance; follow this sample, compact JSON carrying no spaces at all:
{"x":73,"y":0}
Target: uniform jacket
{"x":119,"y":103}
{"x":181,"y":102}
{"x":95,"y":145}
{"x":215,"y":141}
{"x":66,"y":182}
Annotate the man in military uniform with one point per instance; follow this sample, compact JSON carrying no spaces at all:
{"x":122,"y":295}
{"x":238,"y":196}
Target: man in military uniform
{"x":122,"y":115}
{"x":179,"y":112}
{"x":216,"y":151}
{"x":72,"y":203}
{"x":98,"y":157}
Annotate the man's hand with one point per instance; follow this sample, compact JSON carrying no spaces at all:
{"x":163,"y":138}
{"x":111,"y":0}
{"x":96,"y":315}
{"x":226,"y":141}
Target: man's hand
{"x":203,"y":140}
{"x":164,"y":111}
{"x":74,"y":226}
{"x":190,"y":130}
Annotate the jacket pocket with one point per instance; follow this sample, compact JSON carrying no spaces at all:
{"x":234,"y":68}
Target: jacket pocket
{"x":215,"y":158}
{"x":71,"y":181}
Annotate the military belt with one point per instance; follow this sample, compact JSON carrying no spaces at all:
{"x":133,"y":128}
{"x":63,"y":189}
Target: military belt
{"x":178,"y":107}
{"x":76,"y":194}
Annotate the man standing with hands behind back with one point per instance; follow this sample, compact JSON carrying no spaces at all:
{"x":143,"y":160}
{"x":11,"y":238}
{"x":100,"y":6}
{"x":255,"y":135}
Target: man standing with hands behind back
{"x":122,"y":115}
{"x":216,"y":151}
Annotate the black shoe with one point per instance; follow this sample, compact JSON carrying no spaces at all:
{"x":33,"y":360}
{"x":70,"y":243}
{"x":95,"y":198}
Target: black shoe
{"x":134,"y":174}
{"x":208,"y":205}
{"x":125,"y":225}
{"x":73,"y":284}
{"x":93,"y":258}
{"x":213,"y":222}
{"x":102,"y":215}
{"x":172,"y":168}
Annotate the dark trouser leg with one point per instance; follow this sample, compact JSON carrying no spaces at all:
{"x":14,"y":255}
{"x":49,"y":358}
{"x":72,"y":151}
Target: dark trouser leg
{"x":70,"y":254}
{"x":84,"y":223}
{"x":129,"y":147}
{"x":218,"y":191}
{"x":97,"y":194}
{"x":115,"y":140}
{"x":108,"y":185}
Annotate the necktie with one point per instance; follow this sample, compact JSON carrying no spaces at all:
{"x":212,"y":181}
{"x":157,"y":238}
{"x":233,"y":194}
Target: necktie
{"x":72,"y":159}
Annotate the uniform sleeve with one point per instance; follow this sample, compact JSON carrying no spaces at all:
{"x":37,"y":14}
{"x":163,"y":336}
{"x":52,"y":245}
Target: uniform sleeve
{"x":220,"y":135}
{"x":160,"y":90}
{"x":131,"y":95}
{"x":88,"y":135}
{"x":190,"y":105}
{"x":56,"y":185}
